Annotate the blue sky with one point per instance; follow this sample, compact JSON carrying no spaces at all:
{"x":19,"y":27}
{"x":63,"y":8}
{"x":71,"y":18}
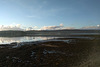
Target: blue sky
{"x":40,"y":13}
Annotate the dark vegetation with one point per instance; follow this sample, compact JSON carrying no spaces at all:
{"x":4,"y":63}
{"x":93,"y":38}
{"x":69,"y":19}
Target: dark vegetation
{"x":48,"y":54}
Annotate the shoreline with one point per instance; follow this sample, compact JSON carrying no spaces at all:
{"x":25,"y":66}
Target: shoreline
{"x":49,"y":53}
{"x":73,"y":52}
{"x":59,"y":39}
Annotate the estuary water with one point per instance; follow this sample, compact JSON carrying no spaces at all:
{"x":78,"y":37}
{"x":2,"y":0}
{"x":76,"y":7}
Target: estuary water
{"x":8,"y":40}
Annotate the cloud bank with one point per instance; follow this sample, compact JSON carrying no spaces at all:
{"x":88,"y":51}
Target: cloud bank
{"x":16,"y":27}
{"x":10,"y":27}
{"x":59,"y":27}
{"x":91,"y":27}
{"x":52,"y":27}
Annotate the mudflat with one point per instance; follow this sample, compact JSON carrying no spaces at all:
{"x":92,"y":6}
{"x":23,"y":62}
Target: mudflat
{"x":75,"y":53}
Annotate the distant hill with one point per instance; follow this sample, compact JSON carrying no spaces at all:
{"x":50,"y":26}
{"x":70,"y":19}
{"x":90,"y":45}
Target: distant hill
{"x":50,"y":32}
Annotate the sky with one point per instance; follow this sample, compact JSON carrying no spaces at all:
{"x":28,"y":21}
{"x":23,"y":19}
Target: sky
{"x":49,"y":14}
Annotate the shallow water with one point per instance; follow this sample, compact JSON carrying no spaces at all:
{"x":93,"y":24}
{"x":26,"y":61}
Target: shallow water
{"x":8,"y":40}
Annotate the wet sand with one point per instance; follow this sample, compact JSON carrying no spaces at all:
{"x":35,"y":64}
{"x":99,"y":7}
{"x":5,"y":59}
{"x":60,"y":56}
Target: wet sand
{"x":75,"y":53}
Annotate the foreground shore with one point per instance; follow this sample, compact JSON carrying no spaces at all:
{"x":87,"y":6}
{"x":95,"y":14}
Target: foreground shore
{"x":72,"y":53}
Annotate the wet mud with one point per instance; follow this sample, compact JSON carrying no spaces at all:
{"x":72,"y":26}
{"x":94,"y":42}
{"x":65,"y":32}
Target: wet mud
{"x":73,"y":53}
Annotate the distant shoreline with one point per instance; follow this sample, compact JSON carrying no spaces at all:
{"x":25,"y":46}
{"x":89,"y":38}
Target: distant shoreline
{"x":73,"y":32}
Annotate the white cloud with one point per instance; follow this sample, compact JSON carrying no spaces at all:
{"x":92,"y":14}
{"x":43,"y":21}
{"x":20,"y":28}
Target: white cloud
{"x":18,"y":25}
{"x":31,"y":28}
{"x":11,"y":27}
{"x":60,"y":27}
{"x":52,"y":27}
{"x":15,"y":26}
{"x":98,"y":25}
{"x":61,"y":24}
{"x":35,"y":27}
{"x":91,"y":27}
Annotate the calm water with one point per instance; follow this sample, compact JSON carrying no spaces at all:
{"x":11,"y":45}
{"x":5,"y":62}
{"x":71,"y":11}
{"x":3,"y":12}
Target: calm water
{"x":7,"y":40}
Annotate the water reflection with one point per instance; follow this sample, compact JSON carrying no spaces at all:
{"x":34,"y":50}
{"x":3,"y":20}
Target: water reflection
{"x":8,"y":40}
